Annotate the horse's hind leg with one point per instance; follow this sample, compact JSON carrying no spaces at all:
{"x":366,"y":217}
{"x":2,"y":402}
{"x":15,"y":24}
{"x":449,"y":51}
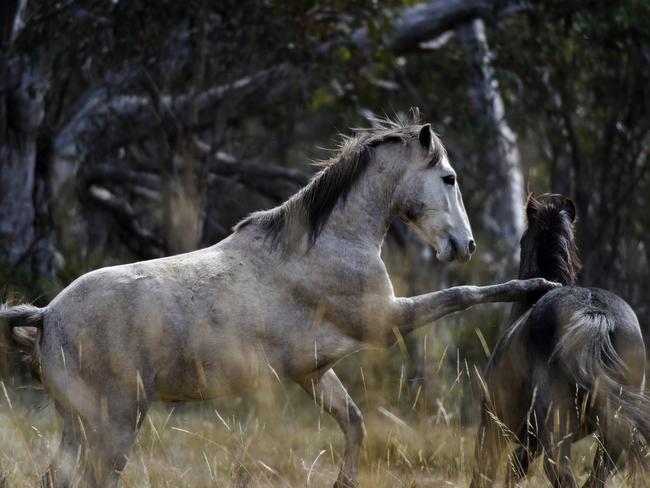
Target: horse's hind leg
{"x":107,"y":455}
{"x":557,"y":465}
{"x":555,"y":438}
{"x":490,"y":442}
{"x":63,"y":468}
{"x":607,"y":454}
{"x":604,"y":465}
{"x":100,"y":427}
{"x":330,"y":394}
{"x":520,"y":463}
{"x":110,"y":436}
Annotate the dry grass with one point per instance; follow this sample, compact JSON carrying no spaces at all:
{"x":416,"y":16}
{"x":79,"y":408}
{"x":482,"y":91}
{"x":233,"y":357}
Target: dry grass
{"x":278,"y":438}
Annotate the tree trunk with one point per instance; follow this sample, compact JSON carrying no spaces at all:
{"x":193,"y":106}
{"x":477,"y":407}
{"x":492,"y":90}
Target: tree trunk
{"x":22,"y":187}
{"x":25,"y":237}
{"x":504,"y":214}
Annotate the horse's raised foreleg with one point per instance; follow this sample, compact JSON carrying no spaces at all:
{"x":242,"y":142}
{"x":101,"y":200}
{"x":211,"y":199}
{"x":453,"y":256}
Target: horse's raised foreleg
{"x":414,"y":312}
{"x":330,"y":395}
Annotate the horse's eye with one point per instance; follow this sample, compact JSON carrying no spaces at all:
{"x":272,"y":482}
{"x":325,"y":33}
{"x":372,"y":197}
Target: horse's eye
{"x":449,"y":179}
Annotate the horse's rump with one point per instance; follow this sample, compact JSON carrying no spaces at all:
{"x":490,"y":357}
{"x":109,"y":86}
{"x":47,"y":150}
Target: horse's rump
{"x":601,"y":350}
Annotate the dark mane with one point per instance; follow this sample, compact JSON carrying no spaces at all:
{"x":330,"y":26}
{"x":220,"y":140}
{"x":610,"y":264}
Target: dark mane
{"x":310,"y":208}
{"x":548,"y":247}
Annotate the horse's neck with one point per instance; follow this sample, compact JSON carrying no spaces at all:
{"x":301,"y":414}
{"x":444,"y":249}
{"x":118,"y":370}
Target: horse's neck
{"x":364,"y":216}
{"x":520,"y":307}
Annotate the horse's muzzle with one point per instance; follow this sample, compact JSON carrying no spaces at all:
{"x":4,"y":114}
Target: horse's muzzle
{"x":462,"y":252}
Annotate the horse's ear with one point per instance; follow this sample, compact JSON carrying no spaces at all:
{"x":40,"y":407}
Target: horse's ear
{"x":531,"y":207}
{"x":570,"y":208}
{"x":425,"y":136}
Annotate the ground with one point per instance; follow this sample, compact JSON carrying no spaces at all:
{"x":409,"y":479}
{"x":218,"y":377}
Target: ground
{"x":278,"y":438}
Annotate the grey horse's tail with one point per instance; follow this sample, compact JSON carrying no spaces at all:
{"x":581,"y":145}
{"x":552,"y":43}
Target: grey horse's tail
{"x":23,"y":315}
{"x":589,"y":358}
{"x":21,"y":325}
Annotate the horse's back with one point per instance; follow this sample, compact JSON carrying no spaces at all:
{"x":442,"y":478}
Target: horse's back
{"x":559,"y":309}
{"x":148,"y":315}
{"x":135,"y":288}
{"x":564,"y":302}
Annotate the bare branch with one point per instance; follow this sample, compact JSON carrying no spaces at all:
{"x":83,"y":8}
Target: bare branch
{"x":426,"y":21}
{"x":99,"y":110}
{"x":138,"y":239}
{"x":228,"y":166}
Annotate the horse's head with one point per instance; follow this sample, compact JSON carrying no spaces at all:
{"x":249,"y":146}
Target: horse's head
{"x":548,"y":248}
{"x":429,"y":199}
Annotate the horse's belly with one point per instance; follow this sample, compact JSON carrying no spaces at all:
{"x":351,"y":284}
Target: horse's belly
{"x":195,"y":387}
{"x":221,"y":373}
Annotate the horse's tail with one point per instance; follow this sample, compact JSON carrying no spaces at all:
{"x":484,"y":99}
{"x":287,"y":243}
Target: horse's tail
{"x":21,"y":325}
{"x":589,"y":359}
{"x":23,"y":315}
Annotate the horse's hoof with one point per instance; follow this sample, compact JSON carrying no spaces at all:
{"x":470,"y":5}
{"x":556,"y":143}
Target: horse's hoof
{"x":346,"y":484}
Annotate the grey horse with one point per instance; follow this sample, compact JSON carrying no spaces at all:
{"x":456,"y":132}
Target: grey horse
{"x":293,"y":290}
{"x":571,"y":364}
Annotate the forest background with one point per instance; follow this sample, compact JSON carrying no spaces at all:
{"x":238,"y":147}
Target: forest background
{"x":133,"y":130}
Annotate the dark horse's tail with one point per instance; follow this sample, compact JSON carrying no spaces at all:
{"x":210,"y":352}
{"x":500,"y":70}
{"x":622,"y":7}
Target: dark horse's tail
{"x":587,"y":354}
{"x":20,"y":325}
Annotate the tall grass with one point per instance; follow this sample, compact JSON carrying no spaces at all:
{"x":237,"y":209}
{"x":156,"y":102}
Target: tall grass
{"x":418,"y":434}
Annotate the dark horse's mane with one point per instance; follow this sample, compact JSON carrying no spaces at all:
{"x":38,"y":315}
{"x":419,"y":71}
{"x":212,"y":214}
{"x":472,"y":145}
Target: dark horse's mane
{"x":311,"y":207}
{"x":548,"y":246}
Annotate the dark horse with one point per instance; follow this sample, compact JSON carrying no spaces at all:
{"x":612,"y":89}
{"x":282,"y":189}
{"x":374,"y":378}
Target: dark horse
{"x":571,"y":364}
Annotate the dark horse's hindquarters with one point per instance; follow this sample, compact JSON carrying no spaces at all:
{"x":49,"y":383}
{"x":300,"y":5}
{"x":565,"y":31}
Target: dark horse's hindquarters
{"x":572,"y":364}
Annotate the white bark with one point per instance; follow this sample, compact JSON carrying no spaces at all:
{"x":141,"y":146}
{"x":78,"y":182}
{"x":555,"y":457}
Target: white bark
{"x":504,"y":214}
{"x":21,"y":118}
{"x":19,"y":21}
{"x":423,"y":22}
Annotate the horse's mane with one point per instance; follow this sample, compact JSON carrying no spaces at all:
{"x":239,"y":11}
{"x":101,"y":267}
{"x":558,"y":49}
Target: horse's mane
{"x":311,"y":207}
{"x":550,"y":229}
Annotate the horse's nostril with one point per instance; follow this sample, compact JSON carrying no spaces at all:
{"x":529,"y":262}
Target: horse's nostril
{"x":471,"y":246}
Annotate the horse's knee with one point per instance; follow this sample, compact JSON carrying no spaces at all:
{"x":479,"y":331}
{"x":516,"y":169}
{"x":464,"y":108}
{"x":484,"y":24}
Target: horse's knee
{"x":355,"y":421}
{"x":106,"y":452}
{"x":47,"y":480}
{"x":55,"y":479}
{"x":345,"y":484}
